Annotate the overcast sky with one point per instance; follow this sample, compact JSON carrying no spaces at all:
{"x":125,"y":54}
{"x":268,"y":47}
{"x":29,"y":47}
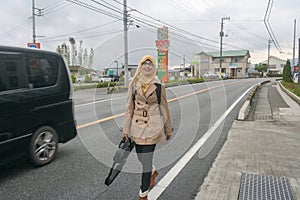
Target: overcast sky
{"x":194,"y":26}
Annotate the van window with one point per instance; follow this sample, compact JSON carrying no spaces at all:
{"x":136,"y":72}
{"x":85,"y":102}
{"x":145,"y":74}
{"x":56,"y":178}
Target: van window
{"x":42,"y":70}
{"x":12,"y":71}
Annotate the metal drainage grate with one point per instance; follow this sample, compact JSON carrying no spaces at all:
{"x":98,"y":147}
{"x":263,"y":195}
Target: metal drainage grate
{"x":264,"y":187}
{"x":263,"y":117}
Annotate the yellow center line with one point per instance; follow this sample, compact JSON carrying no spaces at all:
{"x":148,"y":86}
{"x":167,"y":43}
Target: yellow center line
{"x":170,"y":100}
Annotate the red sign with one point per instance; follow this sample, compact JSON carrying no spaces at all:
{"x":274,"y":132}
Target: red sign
{"x":35,"y":45}
{"x":162,"y":44}
{"x":296,"y":68}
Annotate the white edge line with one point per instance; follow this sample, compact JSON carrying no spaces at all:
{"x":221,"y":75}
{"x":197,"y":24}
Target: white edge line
{"x":169,"y":177}
{"x":94,"y":102}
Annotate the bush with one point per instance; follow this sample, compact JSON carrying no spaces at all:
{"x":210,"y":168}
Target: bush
{"x":88,"y":79}
{"x":287,"y":74}
{"x":195,"y":80}
{"x":106,"y":84}
{"x":73,"y":78}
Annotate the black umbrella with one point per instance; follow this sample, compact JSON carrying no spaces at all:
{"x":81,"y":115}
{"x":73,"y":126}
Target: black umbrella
{"x":119,"y":159}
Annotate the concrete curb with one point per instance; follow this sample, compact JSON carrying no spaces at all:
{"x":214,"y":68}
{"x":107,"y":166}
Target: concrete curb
{"x":292,"y":95}
{"x":245,"y":109}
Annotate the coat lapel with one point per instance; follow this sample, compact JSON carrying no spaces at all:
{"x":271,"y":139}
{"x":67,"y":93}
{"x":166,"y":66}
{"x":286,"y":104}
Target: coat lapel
{"x":150,"y":90}
{"x":140,"y":91}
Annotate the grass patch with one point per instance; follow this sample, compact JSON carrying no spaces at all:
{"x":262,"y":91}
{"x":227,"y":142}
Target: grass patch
{"x":293,"y":87}
{"x":84,"y":86}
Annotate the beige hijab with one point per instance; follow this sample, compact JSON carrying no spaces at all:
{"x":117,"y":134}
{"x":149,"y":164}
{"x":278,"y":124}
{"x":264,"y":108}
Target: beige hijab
{"x":139,"y":78}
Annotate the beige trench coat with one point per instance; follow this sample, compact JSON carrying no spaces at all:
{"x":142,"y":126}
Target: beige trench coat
{"x":144,"y":121}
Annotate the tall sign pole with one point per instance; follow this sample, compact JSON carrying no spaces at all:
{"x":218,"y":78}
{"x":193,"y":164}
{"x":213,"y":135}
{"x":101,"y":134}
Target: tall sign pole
{"x":125,"y":43}
{"x":162,"y":44}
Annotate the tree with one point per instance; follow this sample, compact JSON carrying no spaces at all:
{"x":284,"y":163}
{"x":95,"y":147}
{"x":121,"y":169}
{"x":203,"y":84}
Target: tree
{"x":80,"y":52}
{"x":64,"y":51}
{"x":73,"y":50}
{"x":74,"y":56}
{"x":287,"y":74}
{"x":91,"y":58}
{"x":261,"y":68}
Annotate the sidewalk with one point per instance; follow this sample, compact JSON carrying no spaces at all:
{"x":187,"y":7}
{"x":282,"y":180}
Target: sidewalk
{"x":268,"y":147}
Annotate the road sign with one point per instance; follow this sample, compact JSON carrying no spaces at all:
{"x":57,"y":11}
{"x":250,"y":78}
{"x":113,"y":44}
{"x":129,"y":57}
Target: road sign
{"x":36,"y":45}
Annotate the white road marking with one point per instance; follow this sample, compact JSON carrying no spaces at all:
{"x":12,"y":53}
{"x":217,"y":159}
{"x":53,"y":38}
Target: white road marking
{"x":101,"y":101}
{"x":169,"y":177}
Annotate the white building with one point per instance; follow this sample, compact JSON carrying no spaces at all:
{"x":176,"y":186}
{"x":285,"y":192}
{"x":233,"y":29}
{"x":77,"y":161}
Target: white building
{"x":276,"y":65}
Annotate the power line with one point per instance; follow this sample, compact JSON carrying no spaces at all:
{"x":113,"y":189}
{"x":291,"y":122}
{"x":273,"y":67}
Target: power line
{"x":81,"y":31}
{"x":113,"y":9}
{"x":268,"y":27}
{"x":169,"y":25}
{"x":16,"y":28}
{"x":88,"y":6}
{"x":95,"y":35}
{"x":157,"y":22}
{"x":58,"y":6}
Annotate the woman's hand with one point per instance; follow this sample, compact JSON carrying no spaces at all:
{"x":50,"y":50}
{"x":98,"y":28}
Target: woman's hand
{"x":124,"y":135}
{"x":168,"y":137}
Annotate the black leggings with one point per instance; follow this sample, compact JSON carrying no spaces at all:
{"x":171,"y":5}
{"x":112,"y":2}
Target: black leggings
{"x":145,"y":156}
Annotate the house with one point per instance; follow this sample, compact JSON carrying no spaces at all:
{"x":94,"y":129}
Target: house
{"x":235,"y":63}
{"x":276,"y":65}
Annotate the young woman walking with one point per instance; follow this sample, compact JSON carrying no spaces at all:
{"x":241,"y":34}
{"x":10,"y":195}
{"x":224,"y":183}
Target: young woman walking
{"x":146,"y":117}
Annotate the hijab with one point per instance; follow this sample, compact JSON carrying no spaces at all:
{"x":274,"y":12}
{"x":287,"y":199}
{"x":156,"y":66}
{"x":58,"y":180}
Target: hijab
{"x":139,"y":78}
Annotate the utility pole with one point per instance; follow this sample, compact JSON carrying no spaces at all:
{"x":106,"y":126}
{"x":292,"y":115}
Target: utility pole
{"x":40,"y":13}
{"x":294,"y":43}
{"x":221,"y":43}
{"x":33,"y":22}
{"x":268,"y":61}
{"x":125,"y":43}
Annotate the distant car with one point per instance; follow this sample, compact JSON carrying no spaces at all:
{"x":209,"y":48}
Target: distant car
{"x":224,"y":76}
{"x":105,"y":78}
{"x":96,"y":78}
{"x":210,"y":75}
{"x":80,"y":79}
{"x":295,"y":79}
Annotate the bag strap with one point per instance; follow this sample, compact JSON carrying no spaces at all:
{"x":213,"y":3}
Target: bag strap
{"x":157,"y":90}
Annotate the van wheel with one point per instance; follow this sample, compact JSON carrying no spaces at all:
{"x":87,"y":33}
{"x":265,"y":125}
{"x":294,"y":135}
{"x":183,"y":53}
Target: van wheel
{"x":43,"y":146}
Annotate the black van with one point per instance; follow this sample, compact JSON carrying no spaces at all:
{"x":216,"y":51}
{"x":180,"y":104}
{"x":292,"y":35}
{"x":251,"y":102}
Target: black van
{"x":36,"y":107}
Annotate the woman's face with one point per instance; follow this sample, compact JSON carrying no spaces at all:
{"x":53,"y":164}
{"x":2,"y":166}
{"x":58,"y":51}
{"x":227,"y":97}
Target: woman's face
{"x":147,"y":68}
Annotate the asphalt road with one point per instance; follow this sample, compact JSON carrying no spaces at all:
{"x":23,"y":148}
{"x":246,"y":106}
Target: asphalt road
{"x":81,"y":165}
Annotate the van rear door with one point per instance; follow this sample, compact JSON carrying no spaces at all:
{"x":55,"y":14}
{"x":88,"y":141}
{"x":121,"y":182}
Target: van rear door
{"x":13,"y":82}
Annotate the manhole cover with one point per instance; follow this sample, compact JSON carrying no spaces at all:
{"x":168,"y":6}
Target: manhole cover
{"x":264,"y":187}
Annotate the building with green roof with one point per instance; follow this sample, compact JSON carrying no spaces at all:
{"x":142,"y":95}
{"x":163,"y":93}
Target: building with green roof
{"x":235,"y":63}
